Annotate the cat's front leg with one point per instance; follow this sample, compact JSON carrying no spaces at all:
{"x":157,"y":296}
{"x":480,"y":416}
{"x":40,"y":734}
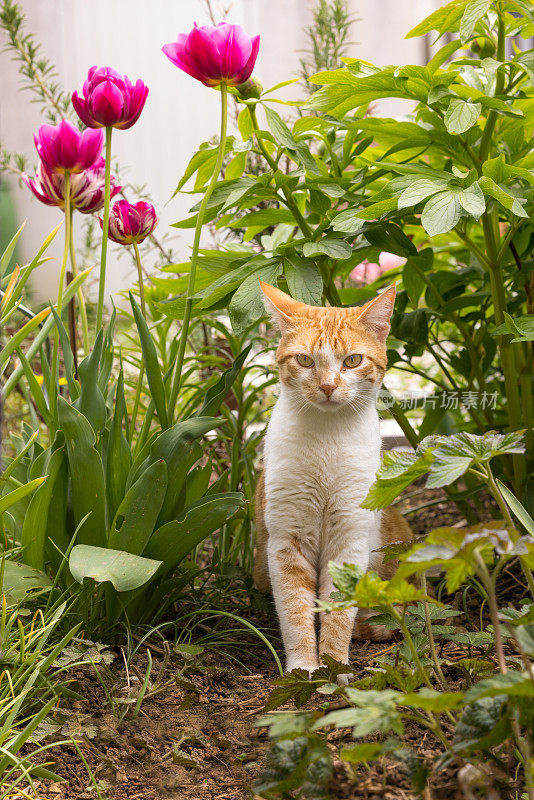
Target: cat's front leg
{"x":294,"y":583}
{"x":348,"y":542}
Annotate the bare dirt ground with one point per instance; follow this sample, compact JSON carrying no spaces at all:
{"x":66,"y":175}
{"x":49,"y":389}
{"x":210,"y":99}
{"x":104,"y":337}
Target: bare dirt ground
{"x":195,"y":736}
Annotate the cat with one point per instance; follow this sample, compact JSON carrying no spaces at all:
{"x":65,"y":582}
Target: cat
{"x":322,"y":452}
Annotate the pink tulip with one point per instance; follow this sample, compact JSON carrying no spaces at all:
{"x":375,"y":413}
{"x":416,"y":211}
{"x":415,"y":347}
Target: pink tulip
{"x":215,"y":55}
{"x":86,"y":188}
{"x":131,"y":222}
{"x":109,"y":99}
{"x":64,"y":148}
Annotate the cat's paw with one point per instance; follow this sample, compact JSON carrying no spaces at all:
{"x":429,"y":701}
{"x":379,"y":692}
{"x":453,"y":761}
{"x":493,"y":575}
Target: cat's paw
{"x":307,"y":666}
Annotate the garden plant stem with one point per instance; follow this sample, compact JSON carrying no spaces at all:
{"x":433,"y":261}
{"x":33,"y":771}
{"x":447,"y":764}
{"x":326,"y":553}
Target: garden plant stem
{"x":81,"y":298}
{"x":105,"y":226}
{"x":142,"y":367}
{"x":177,"y":376}
{"x":59,"y":305}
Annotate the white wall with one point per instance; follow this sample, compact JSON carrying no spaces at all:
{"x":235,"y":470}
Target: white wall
{"x":180,"y":112}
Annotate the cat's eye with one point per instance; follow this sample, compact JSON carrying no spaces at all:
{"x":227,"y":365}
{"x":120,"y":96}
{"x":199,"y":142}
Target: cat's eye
{"x":353,"y":361}
{"x":304,"y":360}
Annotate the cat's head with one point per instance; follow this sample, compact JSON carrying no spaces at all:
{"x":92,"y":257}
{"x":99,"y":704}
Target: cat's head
{"x":331,"y":358}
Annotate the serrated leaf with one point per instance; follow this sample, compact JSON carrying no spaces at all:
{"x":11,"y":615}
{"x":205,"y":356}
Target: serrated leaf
{"x":473,"y":12}
{"x":461,"y":116}
{"x":472,"y":200}
{"x":334,"y":248}
{"x":419,"y":190}
{"x":441,"y":213}
{"x":482,"y":725}
{"x":348,"y":221}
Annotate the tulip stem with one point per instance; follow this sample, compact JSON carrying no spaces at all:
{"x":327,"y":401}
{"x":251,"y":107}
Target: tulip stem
{"x":105,"y":227}
{"x":54,"y":386}
{"x":79,"y":293}
{"x":142,"y":367}
{"x":177,"y":376}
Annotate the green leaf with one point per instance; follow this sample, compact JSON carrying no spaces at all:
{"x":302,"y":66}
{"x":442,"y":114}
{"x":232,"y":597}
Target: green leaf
{"x":472,"y":200}
{"x":522,"y":328}
{"x":33,"y":535}
{"x":520,"y":512}
{"x":398,"y":471}
{"x":334,"y":248}
{"x":513,"y":684}
{"x":348,"y":221}
{"x":373,"y":712}
{"x":217,"y":393}
{"x":280,"y":130}
{"x":444,"y":472}
{"x":444,"y":20}
{"x":8,"y":252}
{"x":137,"y":514}
{"x":362,"y":753}
{"x":91,"y":401}
{"x":86,"y":474}
{"x":304,"y":281}
{"x":174,"y":541}
{"x":507,"y":200}
{"x":118,"y":454}
{"x":419,"y":190}
{"x":461,"y":116}
{"x":432,"y":700}
{"x":124,"y":571}
{"x":246,"y":305}
{"x":10,"y":499}
{"x":150,"y":358}
{"x":483,"y":725}
{"x":441,"y":213}
{"x":20,"y":579}
{"x":474,"y":11}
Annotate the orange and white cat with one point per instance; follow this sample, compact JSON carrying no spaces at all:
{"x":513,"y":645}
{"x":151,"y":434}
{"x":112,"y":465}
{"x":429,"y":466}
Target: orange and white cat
{"x":322,"y":452}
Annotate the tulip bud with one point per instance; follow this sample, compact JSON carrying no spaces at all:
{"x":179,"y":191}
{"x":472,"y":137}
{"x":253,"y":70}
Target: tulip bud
{"x":251,"y":89}
{"x":130,"y":222}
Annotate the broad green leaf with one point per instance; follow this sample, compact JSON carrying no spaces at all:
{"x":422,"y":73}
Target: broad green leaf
{"x":474,"y":10}
{"x":347,"y":221}
{"x":118,"y":454}
{"x":522,"y":328}
{"x":246,"y":305}
{"x":441,"y":213}
{"x":513,"y":684}
{"x":91,"y":401}
{"x":398,"y":471}
{"x":419,"y":190}
{"x":280,"y":130}
{"x":472,"y":200}
{"x":124,"y":571}
{"x":86,"y":474}
{"x":461,"y":116}
{"x":445,"y":19}
{"x":432,"y":700}
{"x":136,"y":516}
{"x":33,"y":536}
{"x":20,"y":579}
{"x":304,"y":281}
{"x":174,"y":541}
{"x":507,"y":200}
{"x":446,"y":471}
{"x":334,"y":248}
{"x":483,"y":724}
{"x":150,"y":358}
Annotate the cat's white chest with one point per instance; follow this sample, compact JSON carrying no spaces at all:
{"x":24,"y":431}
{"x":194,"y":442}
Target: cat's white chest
{"x":318,"y":468}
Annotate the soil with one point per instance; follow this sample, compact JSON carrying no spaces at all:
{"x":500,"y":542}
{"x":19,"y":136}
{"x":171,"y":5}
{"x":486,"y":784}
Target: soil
{"x":195,"y":736}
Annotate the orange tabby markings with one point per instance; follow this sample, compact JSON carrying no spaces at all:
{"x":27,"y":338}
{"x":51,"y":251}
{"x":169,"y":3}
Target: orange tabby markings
{"x":322,"y":451}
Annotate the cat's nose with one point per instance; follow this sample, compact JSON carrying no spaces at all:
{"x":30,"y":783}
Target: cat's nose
{"x":327,"y":388}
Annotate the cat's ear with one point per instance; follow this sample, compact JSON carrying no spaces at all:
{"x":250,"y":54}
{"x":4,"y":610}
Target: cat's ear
{"x":280,"y":306}
{"x":376,"y":314}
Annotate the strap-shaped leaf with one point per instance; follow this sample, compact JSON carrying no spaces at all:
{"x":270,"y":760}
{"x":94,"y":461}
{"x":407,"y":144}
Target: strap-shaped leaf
{"x":137,"y":514}
{"x":86,"y":474}
{"x":150,"y":357}
{"x":91,"y":402}
{"x":216,"y":393}
{"x":33,"y":536}
{"x":118,"y":454}
{"x":174,"y":541}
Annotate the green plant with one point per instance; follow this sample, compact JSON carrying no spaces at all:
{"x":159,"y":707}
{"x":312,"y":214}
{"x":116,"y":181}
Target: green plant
{"x":448,"y":188}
